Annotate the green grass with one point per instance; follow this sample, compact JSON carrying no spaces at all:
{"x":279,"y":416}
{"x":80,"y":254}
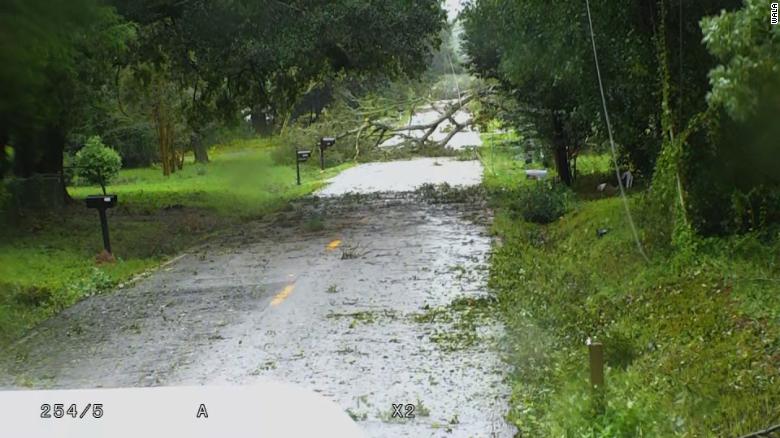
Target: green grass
{"x":502,"y":158}
{"x":47,"y":260}
{"x":595,"y":164}
{"x":692,"y":339}
{"x":240,"y":181}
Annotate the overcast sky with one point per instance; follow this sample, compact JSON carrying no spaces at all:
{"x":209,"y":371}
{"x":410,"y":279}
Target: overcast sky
{"x":453,"y":7}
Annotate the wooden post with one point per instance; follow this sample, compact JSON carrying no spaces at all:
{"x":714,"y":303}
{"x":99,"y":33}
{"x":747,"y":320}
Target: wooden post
{"x":596,"y":354}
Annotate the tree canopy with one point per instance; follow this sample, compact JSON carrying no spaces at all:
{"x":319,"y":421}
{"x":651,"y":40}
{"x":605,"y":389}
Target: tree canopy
{"x":213,"y":59}
{"x":55,"y":57}
{"x":684,"y":83}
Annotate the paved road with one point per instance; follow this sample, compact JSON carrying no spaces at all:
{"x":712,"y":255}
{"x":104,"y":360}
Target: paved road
{"x":345,"y":295}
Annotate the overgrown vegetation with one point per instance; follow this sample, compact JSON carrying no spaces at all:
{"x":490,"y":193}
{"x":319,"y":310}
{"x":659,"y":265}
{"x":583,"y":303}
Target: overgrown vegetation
{"x":542,"y":203}
{"x":689,"y":112}
{"x":691,"y":337}
{"x":687,"y":307}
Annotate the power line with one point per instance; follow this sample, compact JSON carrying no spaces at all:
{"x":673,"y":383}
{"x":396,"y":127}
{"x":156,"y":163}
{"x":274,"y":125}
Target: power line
{"x":612,"y":140}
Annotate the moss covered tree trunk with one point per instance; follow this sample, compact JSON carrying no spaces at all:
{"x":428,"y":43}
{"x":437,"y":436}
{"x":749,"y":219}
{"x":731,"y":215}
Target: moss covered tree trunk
{"x":667,"y":184}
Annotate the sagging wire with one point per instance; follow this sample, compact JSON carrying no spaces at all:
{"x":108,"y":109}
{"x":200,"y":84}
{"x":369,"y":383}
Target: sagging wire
{"x":612,"y":140}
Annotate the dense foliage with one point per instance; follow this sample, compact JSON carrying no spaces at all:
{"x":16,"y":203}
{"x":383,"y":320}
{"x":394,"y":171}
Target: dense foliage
{"x":735,"y":186}
{"x":176,"y":71}
{"x":697,"y":96}
{"x":56,"y":57}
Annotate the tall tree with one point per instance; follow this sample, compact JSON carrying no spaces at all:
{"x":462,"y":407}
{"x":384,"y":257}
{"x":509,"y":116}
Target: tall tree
{"x":265,"y":55}
{"x":55,"y":55}
{"x":540,"y":52}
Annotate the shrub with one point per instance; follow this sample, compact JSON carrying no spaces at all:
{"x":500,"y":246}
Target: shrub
{"x":96,"y":162}
{"x":542,"y":203}
{"x":32,"y":296}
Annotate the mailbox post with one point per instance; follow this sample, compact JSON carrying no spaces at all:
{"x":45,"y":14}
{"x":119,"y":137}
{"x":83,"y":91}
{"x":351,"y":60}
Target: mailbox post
{"x":325,"y":143}
{"x":300,"y":157}
{"x":102,"y":203}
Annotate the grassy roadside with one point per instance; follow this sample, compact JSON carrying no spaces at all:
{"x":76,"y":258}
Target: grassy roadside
{"x":692,"y":341}
{"x":47,"y":261}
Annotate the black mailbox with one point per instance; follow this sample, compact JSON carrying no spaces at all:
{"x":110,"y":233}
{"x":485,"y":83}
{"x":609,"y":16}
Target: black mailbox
{"x":300,"y":157}
{"x":326,"y":142}
{"x":101,"y":201}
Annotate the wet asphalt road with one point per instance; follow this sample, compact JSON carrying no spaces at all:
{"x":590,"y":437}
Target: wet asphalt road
{"x":333,"y":295}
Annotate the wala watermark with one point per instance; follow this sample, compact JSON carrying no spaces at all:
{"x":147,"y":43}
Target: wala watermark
{"x":773,"y":14}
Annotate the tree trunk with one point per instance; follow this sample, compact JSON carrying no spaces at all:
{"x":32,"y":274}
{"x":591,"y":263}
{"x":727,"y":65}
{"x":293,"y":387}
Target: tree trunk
{"x":170,"y":148}
{"x":24,"y":153}
{"x":39,"y":152}
{"x":162,"y":142}
{"x":199,"y":149}
{"x":168,"y":155}
{"x":53,"y":147}
{"x":561,"y":152}
{"x":53,"y":157}
{"x":260,"y":122}
{"x":179,"y":159}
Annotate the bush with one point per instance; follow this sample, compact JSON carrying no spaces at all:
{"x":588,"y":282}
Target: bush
{"x":96,"y":163}
{"x":542,"y":203}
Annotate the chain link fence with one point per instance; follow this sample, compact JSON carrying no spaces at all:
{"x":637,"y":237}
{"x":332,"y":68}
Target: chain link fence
{"x":40,"y":191}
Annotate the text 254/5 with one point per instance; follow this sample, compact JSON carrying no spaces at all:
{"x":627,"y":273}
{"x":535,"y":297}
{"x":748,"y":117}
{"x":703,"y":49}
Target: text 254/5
{"x":62,"y":410}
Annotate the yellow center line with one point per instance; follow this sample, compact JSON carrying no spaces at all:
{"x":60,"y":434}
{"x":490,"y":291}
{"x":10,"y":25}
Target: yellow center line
{"x":333,"y":245}
{"x":282,"y":295}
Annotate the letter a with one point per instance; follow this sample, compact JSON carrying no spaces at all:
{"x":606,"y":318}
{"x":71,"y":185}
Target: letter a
{"x":202,"y":412}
